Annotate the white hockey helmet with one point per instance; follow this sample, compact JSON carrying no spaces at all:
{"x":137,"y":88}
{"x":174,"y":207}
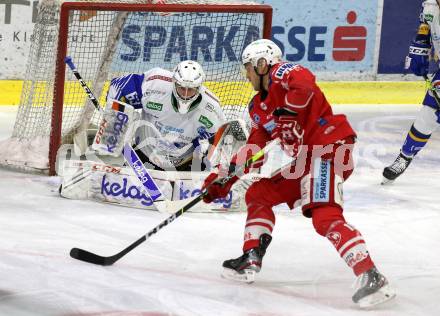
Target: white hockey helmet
{"x":262,"y":48}
{"x":188,"y":76}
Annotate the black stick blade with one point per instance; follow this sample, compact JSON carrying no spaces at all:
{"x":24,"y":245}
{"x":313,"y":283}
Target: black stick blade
{"x":86,"y":256}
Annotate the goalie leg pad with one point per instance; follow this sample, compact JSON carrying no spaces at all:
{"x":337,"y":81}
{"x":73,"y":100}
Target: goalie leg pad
{"x":106,"y":183}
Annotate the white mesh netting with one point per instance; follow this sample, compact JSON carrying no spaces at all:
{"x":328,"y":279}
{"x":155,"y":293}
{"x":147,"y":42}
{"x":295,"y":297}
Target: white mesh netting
{"x":109,"y":43}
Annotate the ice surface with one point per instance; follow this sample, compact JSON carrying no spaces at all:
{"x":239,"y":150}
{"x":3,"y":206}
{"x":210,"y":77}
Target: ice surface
{"x":177,"y":271}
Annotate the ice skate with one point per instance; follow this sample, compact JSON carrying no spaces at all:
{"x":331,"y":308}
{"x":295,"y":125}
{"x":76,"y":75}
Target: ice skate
{"x":399,"y":165}
{"x":245,"y":267}
{"x":373,"y":289}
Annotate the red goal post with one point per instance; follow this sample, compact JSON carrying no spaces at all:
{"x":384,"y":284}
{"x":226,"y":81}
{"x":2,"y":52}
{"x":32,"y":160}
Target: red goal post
{"x":213,"y":34}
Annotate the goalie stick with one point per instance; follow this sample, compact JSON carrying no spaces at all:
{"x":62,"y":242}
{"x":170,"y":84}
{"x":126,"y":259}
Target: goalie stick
{"x":87,"y":256}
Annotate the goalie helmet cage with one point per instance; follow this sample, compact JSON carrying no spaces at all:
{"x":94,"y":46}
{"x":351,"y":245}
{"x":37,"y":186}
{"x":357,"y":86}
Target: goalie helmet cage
{"x":108,"y":39}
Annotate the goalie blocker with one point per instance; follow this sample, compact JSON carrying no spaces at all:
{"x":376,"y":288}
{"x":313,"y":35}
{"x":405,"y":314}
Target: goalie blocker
{"x":115,"y":129}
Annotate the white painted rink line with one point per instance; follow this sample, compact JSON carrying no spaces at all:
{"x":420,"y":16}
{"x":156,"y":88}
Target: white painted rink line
{"x":177,"y":271}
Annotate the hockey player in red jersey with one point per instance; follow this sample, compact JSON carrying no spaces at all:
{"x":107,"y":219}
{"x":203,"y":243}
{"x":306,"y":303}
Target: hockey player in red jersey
{"x":290,"y":107}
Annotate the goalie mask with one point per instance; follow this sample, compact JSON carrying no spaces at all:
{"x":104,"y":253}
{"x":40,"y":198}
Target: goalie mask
{"x":188,"y":77}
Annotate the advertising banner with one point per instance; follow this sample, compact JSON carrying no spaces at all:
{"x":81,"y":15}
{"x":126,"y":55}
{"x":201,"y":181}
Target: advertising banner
{"x":400,"y":19}
{"x":17,"y":18}
{"x":327,"y":36}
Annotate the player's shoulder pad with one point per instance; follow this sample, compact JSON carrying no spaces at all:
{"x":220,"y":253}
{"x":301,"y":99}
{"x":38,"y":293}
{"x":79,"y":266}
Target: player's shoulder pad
{"x":211,"y":106}
{"x":429,"y":3}
{"x":279,"y":71}
{"x":430,"y":10}
{"x":125,"y":85}
{"x":120,"y":82}
{"x":158,"y":74}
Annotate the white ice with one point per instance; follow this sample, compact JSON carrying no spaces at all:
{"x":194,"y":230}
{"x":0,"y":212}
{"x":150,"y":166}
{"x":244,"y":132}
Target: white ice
{"x":177,"y":271}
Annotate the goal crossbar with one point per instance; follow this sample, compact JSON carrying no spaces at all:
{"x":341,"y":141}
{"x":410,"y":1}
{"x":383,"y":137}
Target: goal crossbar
{"x":67,"y":7}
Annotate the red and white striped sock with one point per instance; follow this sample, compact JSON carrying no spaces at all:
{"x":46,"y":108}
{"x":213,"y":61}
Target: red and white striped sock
{"x":350,"y":244}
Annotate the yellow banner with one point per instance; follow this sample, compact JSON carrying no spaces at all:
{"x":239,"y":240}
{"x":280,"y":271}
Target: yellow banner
{"x":349,"y":92}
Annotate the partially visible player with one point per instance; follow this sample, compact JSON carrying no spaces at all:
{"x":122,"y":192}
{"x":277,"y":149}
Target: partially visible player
{"x":290,"y":107}
{"x":417,"y":61}
{"x":177,"y":113}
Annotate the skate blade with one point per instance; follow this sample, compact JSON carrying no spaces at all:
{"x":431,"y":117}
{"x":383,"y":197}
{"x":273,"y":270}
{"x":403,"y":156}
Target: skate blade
{"x":384,"y":294}
{"x":386,"y":181}
{"x":248,"y":276}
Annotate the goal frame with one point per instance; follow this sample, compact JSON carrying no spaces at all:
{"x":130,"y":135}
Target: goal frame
{"x":60,"y":67}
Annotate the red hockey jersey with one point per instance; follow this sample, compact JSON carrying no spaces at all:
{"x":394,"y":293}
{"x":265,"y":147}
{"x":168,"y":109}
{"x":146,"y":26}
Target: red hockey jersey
{"x":293,"y":86}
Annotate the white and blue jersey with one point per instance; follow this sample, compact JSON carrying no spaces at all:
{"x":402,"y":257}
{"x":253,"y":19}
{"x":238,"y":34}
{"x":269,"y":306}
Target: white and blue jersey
{"x":428,"y":119}
{"x":164,"y":131}
{"x":431,"y":15}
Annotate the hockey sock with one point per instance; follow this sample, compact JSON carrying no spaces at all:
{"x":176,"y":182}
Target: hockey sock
{"x":414,"y":142}
{"x":260,"y":220}
{"x":350,"y":244}
{"x":348,"y":241}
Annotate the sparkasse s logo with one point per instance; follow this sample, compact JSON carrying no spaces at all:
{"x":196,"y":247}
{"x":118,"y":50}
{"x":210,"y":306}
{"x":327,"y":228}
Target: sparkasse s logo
{"x":349,"y":42}
{"x":313,"y":43}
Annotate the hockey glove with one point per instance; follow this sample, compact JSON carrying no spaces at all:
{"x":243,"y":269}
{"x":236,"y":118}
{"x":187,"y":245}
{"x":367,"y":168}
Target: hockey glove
{"x":114,"y":130}
{"x":418,"y":58}
{"x":217,"y":190}
{"x":289,"y":132}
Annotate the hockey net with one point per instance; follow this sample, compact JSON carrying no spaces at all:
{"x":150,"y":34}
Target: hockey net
{"x":112,"y":38}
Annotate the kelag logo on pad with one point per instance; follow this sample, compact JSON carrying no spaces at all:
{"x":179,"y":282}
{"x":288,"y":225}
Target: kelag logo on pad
{"x":124,"y":191}
{"x":186,"y":192}
{"x":120,"y":122}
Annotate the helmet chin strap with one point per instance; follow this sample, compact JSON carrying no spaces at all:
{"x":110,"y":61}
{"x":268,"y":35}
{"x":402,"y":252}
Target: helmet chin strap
{"x":263,"y":91}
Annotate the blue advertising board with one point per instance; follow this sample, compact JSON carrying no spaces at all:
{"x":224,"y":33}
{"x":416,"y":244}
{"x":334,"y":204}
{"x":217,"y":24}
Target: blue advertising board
{"x":327,"y":36}
{"x":149,"y":40}
{"x":400,"y":19}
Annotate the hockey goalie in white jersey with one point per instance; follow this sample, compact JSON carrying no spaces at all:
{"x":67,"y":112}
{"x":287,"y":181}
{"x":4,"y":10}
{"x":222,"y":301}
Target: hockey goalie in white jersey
{"x":170,"y":119}
{"x":178,"y":117}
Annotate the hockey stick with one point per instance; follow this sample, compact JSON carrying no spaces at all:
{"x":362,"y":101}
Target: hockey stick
{"x":90,"y":257}
{"x":129,"y":153}
{"x":433,"y":90}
